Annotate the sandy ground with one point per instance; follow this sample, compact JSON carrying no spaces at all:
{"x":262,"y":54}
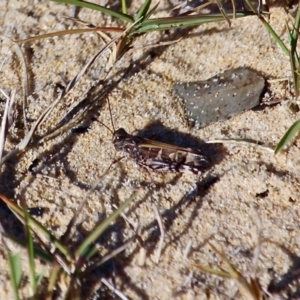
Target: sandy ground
{"x":220,"y":207}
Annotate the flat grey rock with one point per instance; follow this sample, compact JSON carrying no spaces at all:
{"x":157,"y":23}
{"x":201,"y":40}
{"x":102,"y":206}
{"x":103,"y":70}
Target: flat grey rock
{"x":220,"y":97}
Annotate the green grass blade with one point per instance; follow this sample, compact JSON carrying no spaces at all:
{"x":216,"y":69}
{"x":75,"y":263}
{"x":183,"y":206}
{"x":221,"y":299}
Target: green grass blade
{"x":288,"y":136}
{"x":38,"y":252}
{"x":275,"y":36}
{"x":124,"y":7}
{"x":294,"y":68}
{"x":126,"y":18}
{"x":151,"y":11}
{"x":294,"y":58}
{"x":183,"y":21}
{"x":143,"y":10}
{"x":40,"y":277}
{"x":15,"y":273}
{"x":295,"y":32}
{"x":251,"y":6}
{"x":53,"y":280}
{"x":35,"y":225}
{"x":269,"y":29}
{"x":30,"y":252}
{"x":85,"y":250}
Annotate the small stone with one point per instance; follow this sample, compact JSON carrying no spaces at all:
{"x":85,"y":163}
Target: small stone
{"x":220,"y":97}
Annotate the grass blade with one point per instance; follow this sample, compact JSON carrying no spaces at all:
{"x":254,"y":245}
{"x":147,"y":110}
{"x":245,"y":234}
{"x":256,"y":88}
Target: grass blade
{"x":53,"y":279}
{"x":143,"y":11}
{"x":269,"y":28}
{"x":15,"y":273}
{"x":126,"y":18}
{"x":124,"y":7}
{"x":275,"y":36}
{"x":38,"y":252}
{"x":151,"y":11}
{"x":294,"y":59}
{"x":34,"y":224}
{"x":69,"y":32}
{"x":251,"y":6}
{"x":292,"y":131}
{"x":3,"y":129}
{"x":184,"y":21}
{"x":85,"y":249}
{"x":294,"y":68}
{"x":30,"y":252}
{"x":295,"y":32}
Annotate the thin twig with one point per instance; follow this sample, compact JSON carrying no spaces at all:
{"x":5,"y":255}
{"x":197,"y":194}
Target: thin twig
{"x":187,"y":250}
{"x":241,"y":142}
{"x":105,"y":258}
{"x":258,"y":246}
{"x":117,"y":292}
{"x":4,"y":123}
{"x":25,"y":85}
{"x":162,"y":233}
{"x":23,"y":144}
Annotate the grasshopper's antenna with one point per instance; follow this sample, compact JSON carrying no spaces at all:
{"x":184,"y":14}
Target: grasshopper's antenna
{"x":111,"y":119}
{"x":112,"y":132}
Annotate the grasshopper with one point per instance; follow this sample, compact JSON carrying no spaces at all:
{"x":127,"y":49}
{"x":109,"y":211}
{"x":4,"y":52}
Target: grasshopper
{"x":155,"y":155}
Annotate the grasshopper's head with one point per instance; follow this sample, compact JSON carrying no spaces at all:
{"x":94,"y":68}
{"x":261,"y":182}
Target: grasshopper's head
{"x":119,"y":134}
{"x":119,"y":138}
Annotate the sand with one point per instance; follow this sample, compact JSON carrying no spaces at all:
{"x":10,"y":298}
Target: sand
{"x":220,"y":207}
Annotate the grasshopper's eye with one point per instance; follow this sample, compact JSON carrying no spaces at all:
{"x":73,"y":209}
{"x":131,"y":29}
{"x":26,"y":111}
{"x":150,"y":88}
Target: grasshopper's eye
{"x":121,"y":133}
{"x":116,"y":137}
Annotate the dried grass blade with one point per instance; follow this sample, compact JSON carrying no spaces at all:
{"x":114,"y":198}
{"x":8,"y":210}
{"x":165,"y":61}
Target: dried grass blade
{"x":79,"y":75}
{"x":25,"y":85}
{"x":5,"y":123}
{"x":23,"y":144}
{"x":69,"y":32}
